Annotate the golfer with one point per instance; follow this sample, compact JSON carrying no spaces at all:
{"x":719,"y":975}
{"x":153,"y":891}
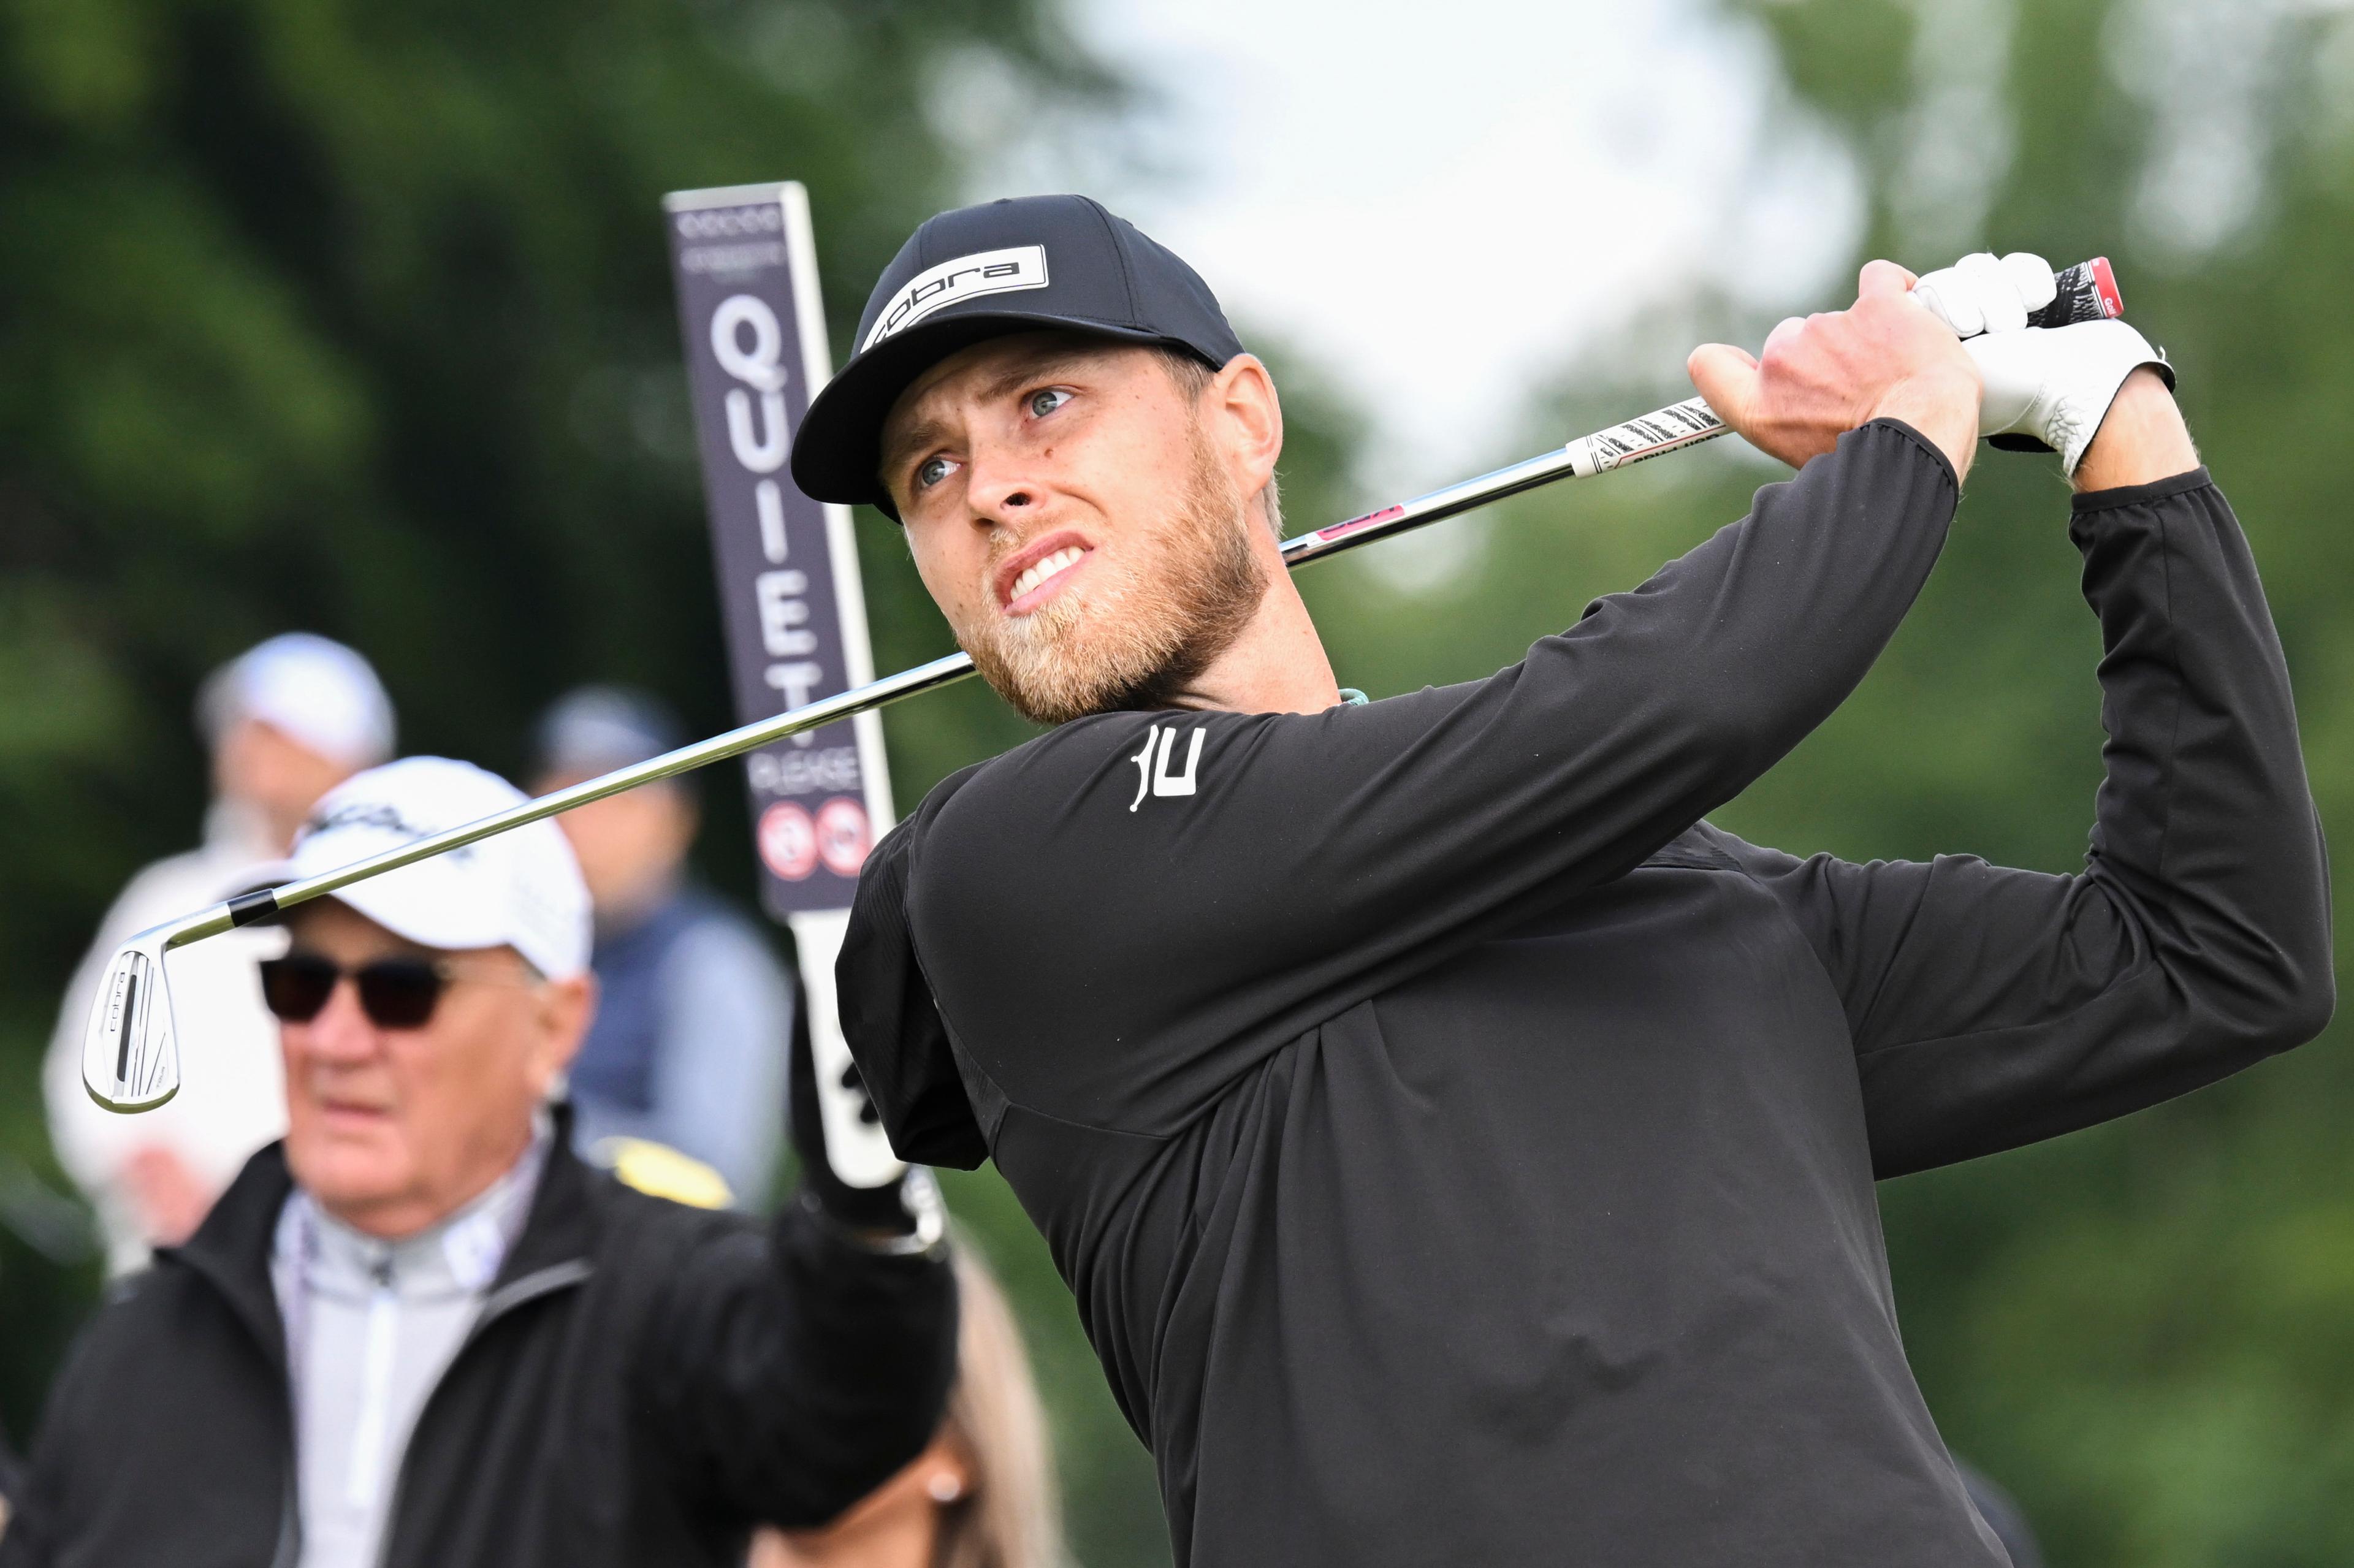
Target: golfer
{"x":420,"y":1331}
{"x":1459,"y":1151}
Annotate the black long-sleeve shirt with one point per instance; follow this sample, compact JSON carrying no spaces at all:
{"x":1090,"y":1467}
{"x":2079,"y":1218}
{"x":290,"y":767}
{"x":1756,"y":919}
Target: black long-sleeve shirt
{"x":1461,"y":1152}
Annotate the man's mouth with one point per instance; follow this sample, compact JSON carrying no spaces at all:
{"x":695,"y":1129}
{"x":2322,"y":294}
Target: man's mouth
{"x":350,"y":1114}
{"x":1040,"y":572}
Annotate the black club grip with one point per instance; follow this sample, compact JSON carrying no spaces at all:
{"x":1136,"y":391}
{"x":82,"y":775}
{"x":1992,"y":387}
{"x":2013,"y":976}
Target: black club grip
{"x":2088,"y":293}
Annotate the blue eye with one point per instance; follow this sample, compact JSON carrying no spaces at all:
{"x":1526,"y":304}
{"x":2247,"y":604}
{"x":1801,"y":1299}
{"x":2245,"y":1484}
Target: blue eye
{"x":931,"y":471}
{"x":1046,"y":400}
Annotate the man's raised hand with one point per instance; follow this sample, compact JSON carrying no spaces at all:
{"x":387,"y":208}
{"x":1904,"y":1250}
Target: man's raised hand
{"x":2045,"y":388}
{"x":1983,"y":292}
{"x":1885,"y":356}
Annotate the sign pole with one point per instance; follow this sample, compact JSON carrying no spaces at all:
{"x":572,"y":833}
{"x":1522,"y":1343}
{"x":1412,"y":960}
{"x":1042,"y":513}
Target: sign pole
{"x":794,"y":611}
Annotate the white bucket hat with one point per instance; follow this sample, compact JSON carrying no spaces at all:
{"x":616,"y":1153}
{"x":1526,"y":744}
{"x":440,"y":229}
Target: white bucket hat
{"x":521,"y":889}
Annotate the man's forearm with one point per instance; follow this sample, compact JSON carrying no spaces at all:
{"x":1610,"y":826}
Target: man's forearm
{"x":2142,"y":441}
{"x":1994,"y":1007}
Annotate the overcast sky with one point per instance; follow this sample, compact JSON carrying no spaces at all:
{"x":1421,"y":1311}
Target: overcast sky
{"x":1442,"y":203}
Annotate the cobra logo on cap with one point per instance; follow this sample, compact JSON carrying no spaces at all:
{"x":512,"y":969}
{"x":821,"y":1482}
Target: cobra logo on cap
{"x":952,"y":282}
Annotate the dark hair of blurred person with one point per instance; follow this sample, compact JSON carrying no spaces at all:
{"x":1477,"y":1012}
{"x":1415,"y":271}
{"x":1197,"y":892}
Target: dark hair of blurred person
{"x":983,"y":1495}
{"x":687,"y":1052}
{"x":286,"y":721}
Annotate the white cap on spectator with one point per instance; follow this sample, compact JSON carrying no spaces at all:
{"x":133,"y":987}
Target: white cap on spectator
{"x":520,"y":890}
{"x":316,"y":692}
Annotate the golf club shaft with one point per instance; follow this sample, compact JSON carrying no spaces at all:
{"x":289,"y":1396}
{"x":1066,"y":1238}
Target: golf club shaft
{"x":2086,"y":291}
{"x":1668,"y":430}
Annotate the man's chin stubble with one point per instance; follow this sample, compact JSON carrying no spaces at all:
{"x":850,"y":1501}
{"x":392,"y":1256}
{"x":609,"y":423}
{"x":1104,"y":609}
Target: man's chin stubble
{"x":1057,"y":668}
{"x":1145,"y":645}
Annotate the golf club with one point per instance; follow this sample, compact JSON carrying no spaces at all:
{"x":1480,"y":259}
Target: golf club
{"x":130,"y":1048}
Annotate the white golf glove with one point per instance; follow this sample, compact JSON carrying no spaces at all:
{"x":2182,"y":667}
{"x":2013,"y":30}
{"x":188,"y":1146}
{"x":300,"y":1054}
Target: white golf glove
{"x":2045,"y":388}
{"x":2054,"y":385}
{"x":1979,"y":294}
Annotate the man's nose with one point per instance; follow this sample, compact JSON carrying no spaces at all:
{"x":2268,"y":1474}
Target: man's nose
{"x":342,"y":1031}
{"x":1002,"y":485}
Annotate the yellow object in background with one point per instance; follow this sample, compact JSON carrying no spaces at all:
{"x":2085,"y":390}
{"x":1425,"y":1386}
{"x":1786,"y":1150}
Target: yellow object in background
{"x":662,"y":1172}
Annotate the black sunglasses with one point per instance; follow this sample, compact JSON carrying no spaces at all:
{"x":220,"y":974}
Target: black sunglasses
{"x":395,"y":993}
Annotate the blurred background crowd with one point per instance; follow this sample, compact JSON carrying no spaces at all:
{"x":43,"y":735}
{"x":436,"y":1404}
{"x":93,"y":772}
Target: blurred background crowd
{"x":355,"y":322}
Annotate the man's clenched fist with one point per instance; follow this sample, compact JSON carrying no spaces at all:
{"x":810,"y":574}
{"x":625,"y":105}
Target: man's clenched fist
{"x":1885,"y":356}
{"x":2045,"y":388}
{"x":2053,"y":385}
{"x":1983,"y":292}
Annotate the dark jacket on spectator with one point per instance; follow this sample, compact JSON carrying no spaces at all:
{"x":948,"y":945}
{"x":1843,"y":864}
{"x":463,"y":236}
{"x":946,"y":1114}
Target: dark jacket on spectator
{"x":645,"y":1382}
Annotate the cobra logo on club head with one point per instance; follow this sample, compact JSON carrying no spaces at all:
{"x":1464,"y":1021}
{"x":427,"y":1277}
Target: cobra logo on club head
{"x":131,"y":1052}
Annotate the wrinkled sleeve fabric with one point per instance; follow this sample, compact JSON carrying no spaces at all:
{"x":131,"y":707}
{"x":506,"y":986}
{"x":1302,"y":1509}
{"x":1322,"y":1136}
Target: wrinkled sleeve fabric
{"x":1179,"y":891}
{"x":793,"y":1371}
{"x":1991,"y":1007}
{"x":889,"y":1017}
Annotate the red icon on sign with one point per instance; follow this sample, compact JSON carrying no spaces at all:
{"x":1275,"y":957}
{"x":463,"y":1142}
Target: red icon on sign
{"x":788,"y":841}
{"x":843,"y":836}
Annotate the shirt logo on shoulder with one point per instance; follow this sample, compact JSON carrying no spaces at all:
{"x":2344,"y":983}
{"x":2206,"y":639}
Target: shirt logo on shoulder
{"x":1152,"y":775}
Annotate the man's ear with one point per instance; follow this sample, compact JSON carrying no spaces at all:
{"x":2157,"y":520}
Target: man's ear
{"x":1248,"y":417}
{"x":567,"y":1007}
{"x":686,"y":818}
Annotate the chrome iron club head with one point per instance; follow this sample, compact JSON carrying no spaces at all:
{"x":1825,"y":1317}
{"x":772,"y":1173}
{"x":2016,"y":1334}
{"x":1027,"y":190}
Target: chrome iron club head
{"x":130,"y":1049}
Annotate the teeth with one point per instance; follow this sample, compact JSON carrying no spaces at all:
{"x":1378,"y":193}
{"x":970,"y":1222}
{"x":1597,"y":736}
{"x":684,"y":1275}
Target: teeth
{"x":1039,"y":571}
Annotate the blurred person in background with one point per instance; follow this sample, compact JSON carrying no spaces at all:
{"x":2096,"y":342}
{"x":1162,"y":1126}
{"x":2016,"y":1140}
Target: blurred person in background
{"x":420,"y":1330}
{"x":285,"y":722}
{"x":984,"y":1493}
{"x":688,"y":1048}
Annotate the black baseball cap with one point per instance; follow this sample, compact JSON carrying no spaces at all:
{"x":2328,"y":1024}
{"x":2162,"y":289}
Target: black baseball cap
{"x":980,"y":272}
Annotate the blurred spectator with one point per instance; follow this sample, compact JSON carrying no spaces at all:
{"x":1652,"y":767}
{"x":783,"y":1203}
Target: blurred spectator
{"x":984,"y":1493}
{"x":688,"y":1049}
{"x":286,"y":723}
{"x":418,"y":1331}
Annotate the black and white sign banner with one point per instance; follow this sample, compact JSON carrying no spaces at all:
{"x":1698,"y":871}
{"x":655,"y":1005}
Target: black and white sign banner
{"x":794,"y":612}
{"x":796,"y":617}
